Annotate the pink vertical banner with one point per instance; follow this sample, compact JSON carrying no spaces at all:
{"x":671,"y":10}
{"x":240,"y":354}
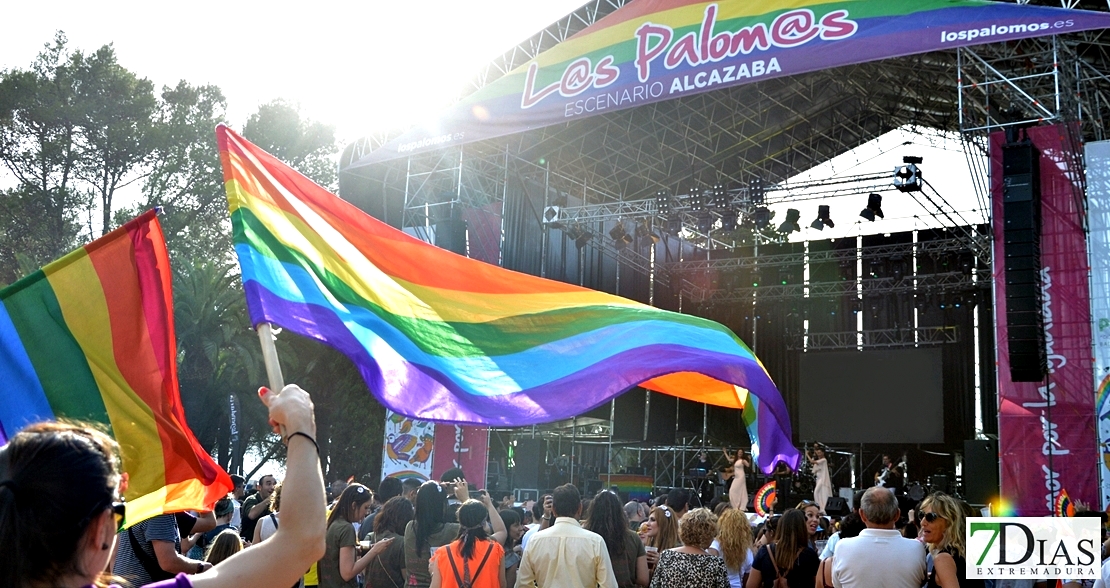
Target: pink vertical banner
{"x":1046,"y":431}
{"x":459,"y":446}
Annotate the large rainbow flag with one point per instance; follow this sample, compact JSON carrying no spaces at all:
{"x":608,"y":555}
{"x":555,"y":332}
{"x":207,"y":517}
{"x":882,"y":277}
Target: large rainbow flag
{"x":441,"y":337}
{"x":90,"y":337}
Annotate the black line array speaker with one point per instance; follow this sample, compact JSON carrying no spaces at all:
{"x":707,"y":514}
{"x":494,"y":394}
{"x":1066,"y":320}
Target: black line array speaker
{"x":980,"y":475}
{"x":836,"y":506}
{"x":1021,"y":215}
{"x":527,"y":457}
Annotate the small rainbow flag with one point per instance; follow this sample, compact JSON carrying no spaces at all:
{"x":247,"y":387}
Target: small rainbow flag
{"x":441,"y":337}
{"x":90,"y":337}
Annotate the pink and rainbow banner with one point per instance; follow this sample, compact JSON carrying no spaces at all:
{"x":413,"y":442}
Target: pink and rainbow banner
{"x":655,"y":50}
{"x":1046,"y":431}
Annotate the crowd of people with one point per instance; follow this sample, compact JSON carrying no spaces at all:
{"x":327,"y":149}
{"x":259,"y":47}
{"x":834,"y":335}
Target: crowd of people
{"x":61,"y":517}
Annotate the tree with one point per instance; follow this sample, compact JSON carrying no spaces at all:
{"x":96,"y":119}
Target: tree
{"x":39,"y":134}
{"x":306,"y":146}
{"x":117,"y":122}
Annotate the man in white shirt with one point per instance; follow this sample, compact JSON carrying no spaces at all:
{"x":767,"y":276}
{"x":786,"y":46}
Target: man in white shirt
{"x":566,"y":555}
{"x":879,"y":557}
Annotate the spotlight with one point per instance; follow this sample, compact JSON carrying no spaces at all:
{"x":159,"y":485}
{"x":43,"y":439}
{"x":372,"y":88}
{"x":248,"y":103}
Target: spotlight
{"x":875,"y":268}
{"x":720,"y":198}
{"x":550,"y":214}
{"x":620,"y":237}
{"x":729,"y":220}
{"x":705,"y":222}
{"x":897,"y":267}
{"x":848,"y":269}
{"x":662,"y":202}
{"x":698,"y":201}
{"x":756,"y":275}
{"x":761,"y":217}
{"x":907,"y":177}
{"x":581,"y":236}
{"x":967,"y":263}
{"x":823,"y":219}
{"x":643,"y":231}
{"x":874,"y":207}
{"x":784,"y":275}
{"x":790,"y":225}
{"x":756,"y":190}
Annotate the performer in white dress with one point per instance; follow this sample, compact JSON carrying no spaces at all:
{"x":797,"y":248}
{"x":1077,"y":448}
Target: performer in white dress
{"x":738,"y":492}
{"x":822,"y":489}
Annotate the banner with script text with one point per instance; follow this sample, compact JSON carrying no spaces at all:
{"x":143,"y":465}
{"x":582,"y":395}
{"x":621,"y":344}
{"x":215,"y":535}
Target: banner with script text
{"x":1046,"y":430}
{"x":654,"y":50}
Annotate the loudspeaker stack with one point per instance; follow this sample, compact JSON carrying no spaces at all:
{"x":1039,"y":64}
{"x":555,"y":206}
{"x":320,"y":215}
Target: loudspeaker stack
{"x":1021,"y":213}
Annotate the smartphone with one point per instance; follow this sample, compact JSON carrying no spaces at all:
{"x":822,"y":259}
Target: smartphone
{"x":477,"y":494}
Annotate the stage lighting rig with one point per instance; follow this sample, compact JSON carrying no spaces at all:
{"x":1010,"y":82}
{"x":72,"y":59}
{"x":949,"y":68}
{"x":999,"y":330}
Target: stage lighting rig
{"x":643,"y":231}
{"x":756,"y":190}
{"x":620,"y":237}
{"x":907,"y":177}
{"x":761,"y":217}
{"x":823,"y":219}
{"x":790,"y":225}
{"x":663,"y":202}
{"x":719,"y":199}
{"x":874,"y":207}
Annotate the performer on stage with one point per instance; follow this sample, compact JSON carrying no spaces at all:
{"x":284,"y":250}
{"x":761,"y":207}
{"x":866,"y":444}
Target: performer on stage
{"x":891,"y":476}
{"x":822,"y":489}
{"x":738,"y":492}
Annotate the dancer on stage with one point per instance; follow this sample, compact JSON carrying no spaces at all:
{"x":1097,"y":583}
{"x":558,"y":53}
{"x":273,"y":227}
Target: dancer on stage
{"x":822,"y":489}
{"x":738,"y":492}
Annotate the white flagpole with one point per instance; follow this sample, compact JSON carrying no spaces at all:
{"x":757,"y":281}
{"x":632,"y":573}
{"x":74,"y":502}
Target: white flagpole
{"x":270,"y":356}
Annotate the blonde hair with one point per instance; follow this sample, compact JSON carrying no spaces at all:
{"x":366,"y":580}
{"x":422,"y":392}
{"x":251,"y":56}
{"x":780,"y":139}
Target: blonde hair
{"x":735,"y":536}
{"x":666,"y":525}
{"x":226,"y":544}
{"x":699,"y":527}
{"x":952,"y":512}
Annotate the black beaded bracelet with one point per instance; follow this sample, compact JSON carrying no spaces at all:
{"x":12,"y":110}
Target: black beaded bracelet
{"x":306,"y":436}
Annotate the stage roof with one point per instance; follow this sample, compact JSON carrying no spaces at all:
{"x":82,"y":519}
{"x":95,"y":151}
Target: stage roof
{"x":776,"y":128}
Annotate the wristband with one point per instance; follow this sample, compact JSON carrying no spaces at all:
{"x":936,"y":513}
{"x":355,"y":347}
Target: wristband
{"x":306,"y":436}
{"x":200,"y":567}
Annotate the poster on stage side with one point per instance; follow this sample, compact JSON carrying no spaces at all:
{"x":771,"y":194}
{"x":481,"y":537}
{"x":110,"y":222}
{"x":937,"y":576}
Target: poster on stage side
{"x":1046,"y":431}
{"x":1098,"y":223}
{"x":408,"y":448}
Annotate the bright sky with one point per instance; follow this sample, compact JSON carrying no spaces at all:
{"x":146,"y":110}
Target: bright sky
{"x":361,"y":66}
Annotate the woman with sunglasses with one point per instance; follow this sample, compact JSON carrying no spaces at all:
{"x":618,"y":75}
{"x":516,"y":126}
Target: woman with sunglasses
{"x":942,"y":528}
{"x":60,"y":507}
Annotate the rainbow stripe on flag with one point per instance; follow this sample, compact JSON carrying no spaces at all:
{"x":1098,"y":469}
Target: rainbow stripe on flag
{"x":90,"y":337}
{"x":441,"y":337}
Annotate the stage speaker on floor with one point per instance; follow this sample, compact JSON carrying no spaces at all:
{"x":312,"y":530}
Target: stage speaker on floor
{"x":451,"y":235}
{"x":1021,"y":217}
{"x":980,"y":475}
{"x":836,"y":506}
{"x":527,"y":458}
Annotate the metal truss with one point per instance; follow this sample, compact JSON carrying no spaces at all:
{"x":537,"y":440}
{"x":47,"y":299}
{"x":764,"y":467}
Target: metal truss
{"x":907,"y":250}
{"x":872,"y":339}
{"x":845,"y":289}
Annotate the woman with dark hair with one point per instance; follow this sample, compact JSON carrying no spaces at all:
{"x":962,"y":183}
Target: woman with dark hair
{"x":429,"y":529}
{"x":60,"y":506}
{"x":691,"y":566}
{"x":626,"y":552}
{"x":514,"y":530}
{"x":341,"y":564}
{"x":226,"y":544}
{"x":788,"y":557}
{"x":474,"y":559}
{"x":388,"y":567}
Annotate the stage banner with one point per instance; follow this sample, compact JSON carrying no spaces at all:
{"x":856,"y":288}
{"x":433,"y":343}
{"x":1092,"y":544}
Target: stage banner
{"x":425,"y":450}
{"x":1046,"y":431}
{"x":1098,"y":224}
{"x":654,"y":50}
